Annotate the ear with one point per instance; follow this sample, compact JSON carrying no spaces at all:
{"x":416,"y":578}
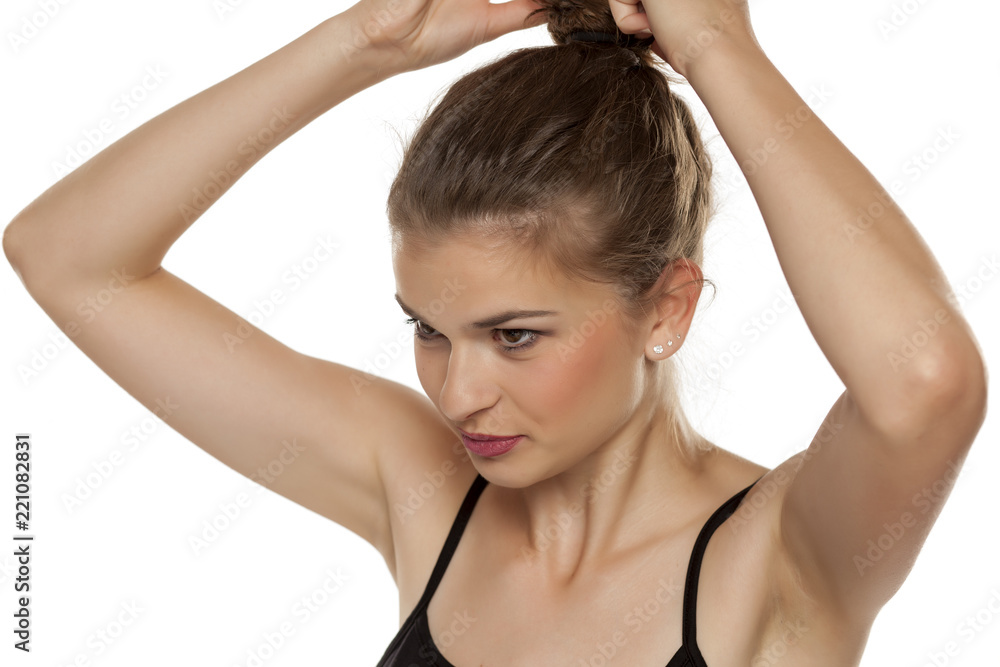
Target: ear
{"x":679,"y":288}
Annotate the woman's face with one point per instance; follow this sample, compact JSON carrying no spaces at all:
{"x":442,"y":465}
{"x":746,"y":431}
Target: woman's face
{"x":567,"y":389}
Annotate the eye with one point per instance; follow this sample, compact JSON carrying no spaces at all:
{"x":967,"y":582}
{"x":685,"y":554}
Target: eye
{"x":528,"y":335}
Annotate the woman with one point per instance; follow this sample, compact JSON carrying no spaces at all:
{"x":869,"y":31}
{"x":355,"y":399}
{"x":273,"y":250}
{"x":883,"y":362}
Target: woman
{"x":566,"y":179}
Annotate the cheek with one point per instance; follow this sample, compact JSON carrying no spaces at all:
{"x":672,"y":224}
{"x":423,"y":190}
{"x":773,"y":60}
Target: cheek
{"x":585,"y":382}
{"x":430,"y":373}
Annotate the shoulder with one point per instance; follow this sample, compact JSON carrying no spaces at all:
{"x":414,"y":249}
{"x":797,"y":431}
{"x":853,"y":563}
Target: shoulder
{"x":426,"y":477}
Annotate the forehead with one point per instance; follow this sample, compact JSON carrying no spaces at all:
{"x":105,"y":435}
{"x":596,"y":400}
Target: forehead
{"x":480,"y":277}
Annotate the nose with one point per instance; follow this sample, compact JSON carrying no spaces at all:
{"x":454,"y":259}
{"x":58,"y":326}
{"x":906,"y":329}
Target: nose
{"x":468,"y":387}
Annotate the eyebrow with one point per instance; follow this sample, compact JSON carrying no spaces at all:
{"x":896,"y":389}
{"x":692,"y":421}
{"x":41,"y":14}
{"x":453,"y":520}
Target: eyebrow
{"x":489,"y":322}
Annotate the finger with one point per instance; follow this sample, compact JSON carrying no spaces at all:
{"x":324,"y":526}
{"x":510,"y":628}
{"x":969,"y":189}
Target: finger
{"x":628,"y":16}
{"x":510,"y":16}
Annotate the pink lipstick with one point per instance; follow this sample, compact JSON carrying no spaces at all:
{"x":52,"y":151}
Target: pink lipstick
{"x":485,"y":445}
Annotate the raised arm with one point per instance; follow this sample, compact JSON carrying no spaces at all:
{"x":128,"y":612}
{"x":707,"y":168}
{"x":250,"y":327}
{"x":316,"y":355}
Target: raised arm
{"x":89,"y":250}
{"x":98,"y":236}
{"x":873,"y":297}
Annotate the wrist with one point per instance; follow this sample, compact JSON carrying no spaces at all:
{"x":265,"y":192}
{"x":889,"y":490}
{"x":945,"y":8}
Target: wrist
{"x":699,"y":61}
{"x":358,"y":40}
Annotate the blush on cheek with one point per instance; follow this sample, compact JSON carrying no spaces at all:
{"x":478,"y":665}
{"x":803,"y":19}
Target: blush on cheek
{"x":577,"y":383}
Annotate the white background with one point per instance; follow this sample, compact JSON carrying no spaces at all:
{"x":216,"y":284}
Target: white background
{"x":886,"y":97}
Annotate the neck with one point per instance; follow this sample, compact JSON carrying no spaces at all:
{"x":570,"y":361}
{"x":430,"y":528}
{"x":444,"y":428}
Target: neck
{"x":617,"y":498}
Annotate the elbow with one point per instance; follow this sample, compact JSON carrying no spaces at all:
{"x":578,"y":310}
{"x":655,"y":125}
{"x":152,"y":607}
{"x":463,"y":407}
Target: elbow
{"x":27,"y":256}
{"x":946,"y":392}
{"x":13,"y":246}
{"x":956,"y":383}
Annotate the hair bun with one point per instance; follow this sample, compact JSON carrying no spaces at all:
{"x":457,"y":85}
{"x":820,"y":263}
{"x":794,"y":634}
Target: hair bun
{"x":566,"y":17}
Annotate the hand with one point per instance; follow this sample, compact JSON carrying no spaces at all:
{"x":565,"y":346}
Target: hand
{"x":418,"y":33}
{"x":684,"y":29}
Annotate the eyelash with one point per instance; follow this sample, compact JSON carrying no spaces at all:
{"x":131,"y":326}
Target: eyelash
{"x":506,"y":349}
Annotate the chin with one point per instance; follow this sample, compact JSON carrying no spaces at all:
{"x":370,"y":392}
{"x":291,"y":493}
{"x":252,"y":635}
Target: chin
{"x":512,"y":475}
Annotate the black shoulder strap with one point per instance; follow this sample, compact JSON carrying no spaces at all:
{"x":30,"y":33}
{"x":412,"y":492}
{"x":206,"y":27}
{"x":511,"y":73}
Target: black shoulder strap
{"x":451,"y":543}
{"x":694,"y":566}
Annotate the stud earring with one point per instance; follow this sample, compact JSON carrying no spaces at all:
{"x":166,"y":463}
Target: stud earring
{"x":658,"y":349}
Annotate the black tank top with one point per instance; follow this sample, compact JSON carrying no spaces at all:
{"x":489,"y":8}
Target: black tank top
{"x":414,"y":647}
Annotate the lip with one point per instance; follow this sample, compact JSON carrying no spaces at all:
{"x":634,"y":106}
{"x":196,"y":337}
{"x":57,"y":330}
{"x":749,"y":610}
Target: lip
{"x":483,"y":436}
{"x":489,"y":446}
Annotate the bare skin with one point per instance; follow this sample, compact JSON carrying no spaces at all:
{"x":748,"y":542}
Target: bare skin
{"x":899,"y":426}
